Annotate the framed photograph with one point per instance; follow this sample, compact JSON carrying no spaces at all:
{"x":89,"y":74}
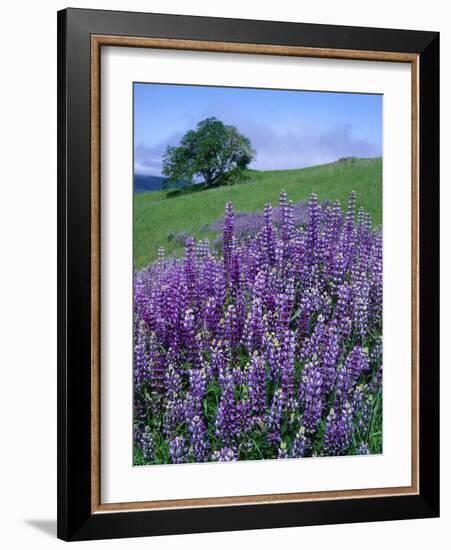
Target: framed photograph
{"x":248,"y":274}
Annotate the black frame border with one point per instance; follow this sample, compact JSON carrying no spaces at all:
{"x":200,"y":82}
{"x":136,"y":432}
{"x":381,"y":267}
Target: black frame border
{"x":75,"y":520}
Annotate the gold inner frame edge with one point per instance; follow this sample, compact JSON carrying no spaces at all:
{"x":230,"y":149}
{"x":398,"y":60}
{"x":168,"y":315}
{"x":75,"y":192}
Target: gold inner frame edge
{"x":97,"y":41}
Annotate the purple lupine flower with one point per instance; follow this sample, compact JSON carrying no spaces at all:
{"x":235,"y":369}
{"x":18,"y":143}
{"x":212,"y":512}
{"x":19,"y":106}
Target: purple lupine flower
{"x":333,"y":219}
{"x":313,"y":346}
{"x":365,"y":415}
{"x":156,"y":366}
{"x":376,"y":354}
{"x":244,"y":416}
{"x":273,"y":356}
{"x":377,"y":282}
{"x":357,"y":399}
{"x":355,"y":365}
{"x":342,"y":312}
{"x":198,"y":432}
{"x":146,"y":444}
{"x":238,"y":376}
{"x":305,"y":312}
{"x":139,"y":408}
{"x":211,"y":314}
{"x":275,"y":417}
{"x":233,"y":327}
{"x":337,"y":270}
{"x":220,"y":360}
{"x":350,"y":214}
{"x":227,"y":239}
{"x":312,"y":396}
{"x":141,"y":356}
{"x":284,"y":305}
{"x":177,"y":450}
{"x":348,"y":235}
{"x":357,"y":362}
{"x":190,"y":268}
{"x":330,"y":357}
{"x":287,"y":217}
{"x":361,"y":291}
{"x":235,"y":272}
{"x":338,"y":434}
{"x":227,"y":425}
{"x":174,"y":404}
{"x":300,"y":444}
{"x":287,"y":358}
{"x":225,"y":454}
{"x":196,"y":392}
{"x":256,"y":384}
{"x":189,"y":335}
{"x":377,"y":367}
{"x":255,"y":322}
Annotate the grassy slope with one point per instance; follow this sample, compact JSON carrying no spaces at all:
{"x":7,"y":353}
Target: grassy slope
{"x":156,"y":215}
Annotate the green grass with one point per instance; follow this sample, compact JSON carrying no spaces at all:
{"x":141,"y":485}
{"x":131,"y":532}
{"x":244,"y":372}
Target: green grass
{"x":157,"y":215}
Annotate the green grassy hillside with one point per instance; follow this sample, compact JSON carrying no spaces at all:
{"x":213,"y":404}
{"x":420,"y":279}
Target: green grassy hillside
{"x":157,"y":215}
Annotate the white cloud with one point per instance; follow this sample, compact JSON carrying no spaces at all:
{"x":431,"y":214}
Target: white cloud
{"x":296,"y":146}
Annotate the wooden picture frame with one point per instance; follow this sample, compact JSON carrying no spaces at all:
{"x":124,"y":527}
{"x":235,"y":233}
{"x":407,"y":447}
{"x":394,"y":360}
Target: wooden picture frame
{"x":81,"y":35}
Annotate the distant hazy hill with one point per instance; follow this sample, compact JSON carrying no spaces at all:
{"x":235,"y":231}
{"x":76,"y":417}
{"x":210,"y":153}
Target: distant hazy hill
{"x":150,"y":183}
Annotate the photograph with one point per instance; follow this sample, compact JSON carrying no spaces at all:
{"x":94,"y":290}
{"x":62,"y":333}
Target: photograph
{"x":257,"y":274}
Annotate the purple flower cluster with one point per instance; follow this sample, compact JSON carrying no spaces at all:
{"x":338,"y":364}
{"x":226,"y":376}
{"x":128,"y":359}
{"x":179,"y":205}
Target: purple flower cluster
{"x":248,"y":224}
{"x":270,"y":349}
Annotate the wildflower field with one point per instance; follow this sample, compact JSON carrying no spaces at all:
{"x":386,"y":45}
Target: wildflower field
{"x":265,"y":343}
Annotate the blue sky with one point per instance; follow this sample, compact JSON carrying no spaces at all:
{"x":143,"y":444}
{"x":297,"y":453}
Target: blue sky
{"x":288,"y":129}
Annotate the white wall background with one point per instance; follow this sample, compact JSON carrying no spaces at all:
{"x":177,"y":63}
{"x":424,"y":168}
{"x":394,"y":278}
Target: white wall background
{"x":28,"y":272}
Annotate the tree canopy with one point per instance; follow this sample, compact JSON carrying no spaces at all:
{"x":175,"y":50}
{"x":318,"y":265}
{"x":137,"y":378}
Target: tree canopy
{"x":214,"y":151}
